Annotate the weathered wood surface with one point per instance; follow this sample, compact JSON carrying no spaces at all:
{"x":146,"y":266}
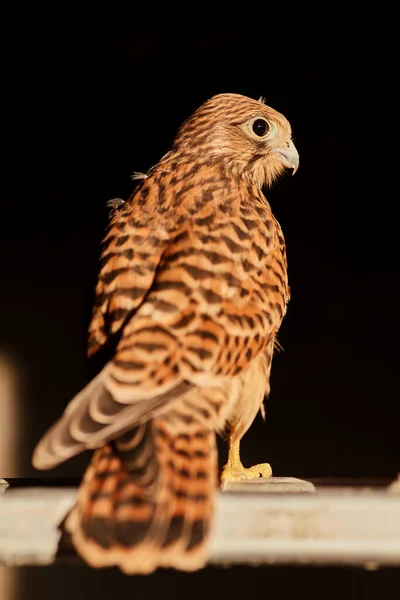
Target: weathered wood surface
{"x":279,"y":485}
{"x":252,"y":526}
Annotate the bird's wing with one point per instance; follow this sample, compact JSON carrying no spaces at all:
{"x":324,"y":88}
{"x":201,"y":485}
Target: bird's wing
{"x":130,"y":256}
{"x":193,"y":308}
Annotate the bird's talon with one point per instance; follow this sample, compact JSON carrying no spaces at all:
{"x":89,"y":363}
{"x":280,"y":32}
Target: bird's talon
{"x":240,"y":473}
{"x":263,"y":470}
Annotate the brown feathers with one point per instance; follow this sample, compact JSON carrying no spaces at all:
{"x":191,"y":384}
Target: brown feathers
{"x":191,"y":292}
{"x":146,"y":500}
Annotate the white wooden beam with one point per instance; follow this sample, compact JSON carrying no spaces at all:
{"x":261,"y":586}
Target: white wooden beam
{"x":252,"y":525}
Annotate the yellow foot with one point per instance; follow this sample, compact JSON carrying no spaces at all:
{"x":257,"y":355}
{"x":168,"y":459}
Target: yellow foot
{"x":238,"y":472}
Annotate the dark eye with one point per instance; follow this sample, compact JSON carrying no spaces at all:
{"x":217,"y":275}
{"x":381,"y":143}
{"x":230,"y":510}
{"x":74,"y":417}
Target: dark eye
{"x":260,"y":127}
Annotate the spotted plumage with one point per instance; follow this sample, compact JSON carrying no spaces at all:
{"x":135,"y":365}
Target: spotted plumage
{"x":191,"y":292}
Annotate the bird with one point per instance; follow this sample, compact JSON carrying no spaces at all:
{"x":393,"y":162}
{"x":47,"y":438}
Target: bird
{"x":191,"y":292}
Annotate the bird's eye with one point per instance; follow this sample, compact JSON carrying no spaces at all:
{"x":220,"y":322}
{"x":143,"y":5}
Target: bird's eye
{"x":260,"y":127}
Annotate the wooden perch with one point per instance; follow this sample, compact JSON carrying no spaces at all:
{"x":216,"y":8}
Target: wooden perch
{"x":276,"y":521}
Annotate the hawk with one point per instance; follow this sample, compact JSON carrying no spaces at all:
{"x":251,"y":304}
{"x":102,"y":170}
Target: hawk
{"x":191,"y":292}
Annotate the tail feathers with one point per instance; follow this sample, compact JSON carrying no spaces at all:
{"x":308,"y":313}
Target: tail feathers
{"x":147,"y":501}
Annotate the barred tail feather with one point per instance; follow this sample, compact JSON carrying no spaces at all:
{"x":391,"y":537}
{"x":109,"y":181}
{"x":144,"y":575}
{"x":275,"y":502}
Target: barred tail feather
{"x":147,"y":500}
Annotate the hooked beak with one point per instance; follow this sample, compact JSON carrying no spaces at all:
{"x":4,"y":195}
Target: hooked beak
{"x":289,"y":156}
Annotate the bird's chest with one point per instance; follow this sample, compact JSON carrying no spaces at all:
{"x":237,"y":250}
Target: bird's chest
{"x":263,"y":264}
{"x":264,"y":244}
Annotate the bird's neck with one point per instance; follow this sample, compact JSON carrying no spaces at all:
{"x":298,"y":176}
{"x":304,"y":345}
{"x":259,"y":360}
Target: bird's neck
{"x":194,"y":181}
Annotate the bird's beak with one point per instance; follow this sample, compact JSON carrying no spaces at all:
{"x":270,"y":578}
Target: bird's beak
{"x":289,"y":156}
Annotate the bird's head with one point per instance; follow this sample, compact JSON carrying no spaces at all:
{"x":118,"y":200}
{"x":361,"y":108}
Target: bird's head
{"x":249,"y":138}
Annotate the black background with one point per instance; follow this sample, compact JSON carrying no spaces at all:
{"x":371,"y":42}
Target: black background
{"x":85,"y":106}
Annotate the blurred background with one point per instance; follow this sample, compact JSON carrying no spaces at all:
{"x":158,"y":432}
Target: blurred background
{"x":85,"y":106}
